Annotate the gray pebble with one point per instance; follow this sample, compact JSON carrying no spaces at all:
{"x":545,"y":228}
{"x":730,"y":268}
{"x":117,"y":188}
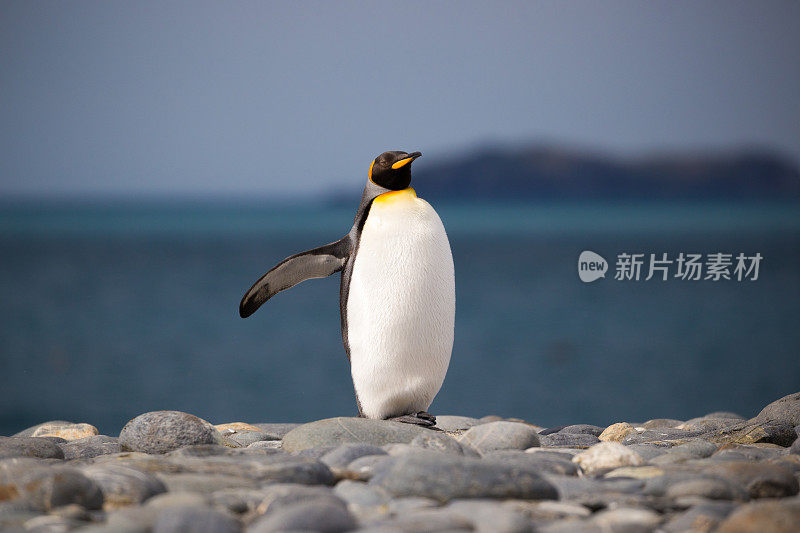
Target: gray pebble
{"x":709,"y":515}
{"x":50,"y":487}
{"x":265,"y":445}
{"x":572,"y":440}
{"x":455,"y":423}
{"x":278,"y":431}
{"x":204,"y":483}
{"x":711,"y":488}
{"x":648,"y":451}
{"x":177,"y":499}
{"x":583,"y":429}
{"x":543,"y":464}
{"x":762,"y":480}
{"x":490,"y":516}
{"x":196,"y":520}
{"x":29,"y":447}
{"x":90,"y":447}
{"x":500,"y":436}
{"x":335,"y":431}
{"x":344,"y":454}
{"x":446,"y":477}
{"x":785,"y":411}
{"x":361,"y":494}
{"x":659,"y":423}
{"x":237,"y":501}
{"x":322,"y":517}
{"x":246,"y":438}
{"x":123,"y":485}
{"x":164,"y":431}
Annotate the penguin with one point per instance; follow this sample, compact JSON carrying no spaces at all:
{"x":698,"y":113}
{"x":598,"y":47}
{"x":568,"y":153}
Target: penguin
{"x":397,"y":294}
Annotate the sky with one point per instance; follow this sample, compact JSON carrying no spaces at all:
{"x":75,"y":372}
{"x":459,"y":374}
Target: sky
{"x":296,"y":98}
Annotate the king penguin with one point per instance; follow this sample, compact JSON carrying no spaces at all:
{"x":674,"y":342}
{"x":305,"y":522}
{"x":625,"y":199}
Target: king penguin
{"x":397,"y":294}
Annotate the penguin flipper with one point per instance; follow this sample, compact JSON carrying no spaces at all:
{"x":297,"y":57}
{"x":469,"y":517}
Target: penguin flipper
{"x":316,"y":263}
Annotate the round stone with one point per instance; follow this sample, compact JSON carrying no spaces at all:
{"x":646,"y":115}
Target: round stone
{"x":335,"y":431}
{"x":617,"y":432}
{"x":164,"y":431}
{"x":606,"y":456}
{"x":500,"y":435}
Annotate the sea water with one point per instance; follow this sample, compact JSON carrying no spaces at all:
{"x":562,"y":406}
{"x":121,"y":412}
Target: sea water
{"x":111,"y":309}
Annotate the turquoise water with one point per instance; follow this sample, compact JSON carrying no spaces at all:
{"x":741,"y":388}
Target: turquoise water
{"x":113,"y":309}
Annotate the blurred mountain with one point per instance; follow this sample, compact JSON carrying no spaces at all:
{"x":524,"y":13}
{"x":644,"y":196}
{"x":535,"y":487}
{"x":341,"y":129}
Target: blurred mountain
{"x":543,"y":172}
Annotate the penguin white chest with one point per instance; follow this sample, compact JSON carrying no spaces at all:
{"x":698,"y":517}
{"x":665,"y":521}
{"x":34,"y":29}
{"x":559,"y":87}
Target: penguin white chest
{"x":400,"y":307}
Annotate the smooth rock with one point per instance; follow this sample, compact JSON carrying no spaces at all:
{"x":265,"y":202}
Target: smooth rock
{"x":204,"y":483}
{"x":195,"y":520}
{"x":452,"y":423}
{"x":785,"y":411}
{"x":237,"y":501}
{"x":361,"y":494}
{"x":335,"y":431}
{"x":605,"y":456}
{"x":703,"y":518}
{"x":279,"y":495}
{"x":122,"y":485}
{"x":490,"y":516}
{"x":29,"y":447}
{"x":279,"y":430}
{"x":50,"y":487}
{"x":90,"y":447}
{"x":438,"y":444}
{"x":411,"y":504}
{"x":67,"y":432}
{"x":446,"y":477}
{"x":725,"y":414}
{"x":710,"y":488}
{"x":616,"y":432}
{"x":246,"y":438}
{"x":795,"y":448}
{"x":627,"y":519}
{"x":743,"y":452}
{"x":344,"y":454}
{"x":28,"y":432}
{"x":762,"y":480}
{"x":549,"y":509}
{"x":754,"y":431}
{"x":661,"y":423}
{"x":500,"y":436}
{"x":236,"y":427}
{"x":322,"y":517}
{"x":177,"y":499}
{"x":705,"y":423}
{"x":368,"y":465}
{"x":541,"y":463}
{"x":648,"y":451}
{"x":164,"y":431}
{"x":770,"y":516}
{"x":571,"y":440}
{"x":426,"y":521}
{"x":51,"y":524}
{"x":583,"y":429}
{"x":636,"y":472}
{"x":266,"y":445}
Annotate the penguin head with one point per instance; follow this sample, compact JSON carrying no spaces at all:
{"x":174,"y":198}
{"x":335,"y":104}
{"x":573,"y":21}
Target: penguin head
{"x":392,"y":170}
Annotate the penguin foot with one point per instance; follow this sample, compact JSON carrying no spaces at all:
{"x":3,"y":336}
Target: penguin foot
{"x":419,"y":419}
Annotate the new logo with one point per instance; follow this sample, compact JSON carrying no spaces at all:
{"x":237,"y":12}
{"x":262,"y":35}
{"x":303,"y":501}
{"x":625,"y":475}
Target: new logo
{"x":591,"y":266}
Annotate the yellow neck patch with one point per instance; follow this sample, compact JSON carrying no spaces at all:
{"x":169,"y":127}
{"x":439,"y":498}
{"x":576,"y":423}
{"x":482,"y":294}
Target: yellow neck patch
{"x":395,"y":196}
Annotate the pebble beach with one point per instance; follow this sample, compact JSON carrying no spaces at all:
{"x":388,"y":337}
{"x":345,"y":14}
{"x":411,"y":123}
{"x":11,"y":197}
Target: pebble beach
{"x":169,"y":471}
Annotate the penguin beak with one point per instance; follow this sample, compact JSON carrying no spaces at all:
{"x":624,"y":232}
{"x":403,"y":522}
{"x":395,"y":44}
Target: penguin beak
{"x":403,"y":162}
